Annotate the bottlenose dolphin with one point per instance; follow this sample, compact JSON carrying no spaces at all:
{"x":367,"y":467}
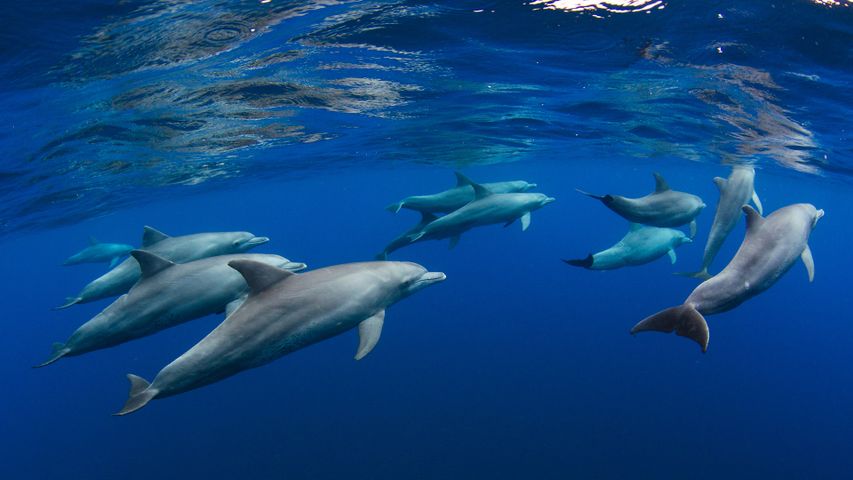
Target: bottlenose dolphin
{"x":404,"y":239}
{"x":770,"y":248}
{"x":98,"y":252}
{"x":735,"y":192}
{"x":176,"y":249}
{"x":487,"y":208}
{"x":284,"y":313}
{"x":167,"y":294}
{"x":662,"y":208}
{"x":640,"y":245}
{"x":457,"y":197}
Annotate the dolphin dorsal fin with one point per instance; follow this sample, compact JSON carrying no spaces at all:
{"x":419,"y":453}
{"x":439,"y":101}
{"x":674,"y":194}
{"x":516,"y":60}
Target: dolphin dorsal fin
{"x":753,"y":218}
{"x":480,"y":191}
{"x":150,"y":263}
{"x":151,"y":235}
{"x":427,"y":218}
{"x":93,"y":240}
{"x":660,"y":183}
{"x":259,"y":276}
{"x":462,"y":180}
{"x":720,"y":183}
{"x":634,"y":227}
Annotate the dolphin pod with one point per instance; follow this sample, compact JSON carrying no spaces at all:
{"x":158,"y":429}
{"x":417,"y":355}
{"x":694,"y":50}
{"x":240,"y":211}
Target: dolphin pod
{"x":285,"y":312}
{"x":771,"y":246}
{"x":640,"y":245}
{"x":98,"y":252}
{"x":166,"y":295}
{"x":455,"y":198}
{"x":176,"y":249}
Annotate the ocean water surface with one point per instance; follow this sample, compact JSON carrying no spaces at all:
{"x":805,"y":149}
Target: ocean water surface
{"x":303,"y":120}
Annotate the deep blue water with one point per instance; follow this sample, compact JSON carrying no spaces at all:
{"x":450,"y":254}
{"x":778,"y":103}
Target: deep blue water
{"x":302,"y":120}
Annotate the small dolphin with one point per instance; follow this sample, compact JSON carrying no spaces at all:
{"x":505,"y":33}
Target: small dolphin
{"x":98,"y":252}
{"x":167,"y":294}
{"x":735,"y":192}
{"x":487,"y":208}
{"x":770,"y":248}
{"x":455,"y":198}
{"x":640,"y":245}
{"x":284,"y":313}
{"x":176,"y":249}
{"x":662,"y":208}
{"x":405,"y":238}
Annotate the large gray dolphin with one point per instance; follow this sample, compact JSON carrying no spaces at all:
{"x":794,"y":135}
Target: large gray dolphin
{"x":640,"y":245}
{"x":167,"y":294}
{"x":284,"y":313}
{"x":97,"y":252}
{"x":457,"y":197}
{"x":662,"y":208}
{"x":735,"y":192}
{"x":770,"y":248}
{"x":176,"y":249}
{"x":487,"y":208}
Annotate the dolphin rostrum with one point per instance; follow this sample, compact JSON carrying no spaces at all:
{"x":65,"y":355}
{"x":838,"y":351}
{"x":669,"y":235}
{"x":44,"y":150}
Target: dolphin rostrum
{"x":176,"y":249}
{"x":457,"y":197}
{"x":285,"y":312}
{"x":98,"y":252}
{"x":770,"y":248}
{"x":735,"y":192}
{"x":662,"y":208}
{"x":642,"y":244}
{"x":167,"y":294}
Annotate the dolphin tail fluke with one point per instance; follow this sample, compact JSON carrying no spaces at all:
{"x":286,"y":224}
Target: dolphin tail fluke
{"x":394,"y":207}
{"x":140,"y":394}
{"x":684,"y":320}
{"x":69,"y":302}
{"x":701,"y":274}
{"x":59,"y":351}
{"x":581,"y":262}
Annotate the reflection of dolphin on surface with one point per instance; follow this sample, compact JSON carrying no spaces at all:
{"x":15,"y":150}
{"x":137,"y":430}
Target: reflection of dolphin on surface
{"x":457,"y":197}
{"x":642,"y":244}
{"x":735,"y":192}
{"x":98,"y":252}
{"x":284,"y":313}
{"x":770,"y":248}
{"x":662,"y":208}
{"x":176,"y":249}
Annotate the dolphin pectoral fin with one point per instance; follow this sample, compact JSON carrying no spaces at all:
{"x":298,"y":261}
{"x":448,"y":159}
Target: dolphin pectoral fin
{"x":394,"y":207}
{"x":454,"y":240}
{"x":757,"y":203}
{"x":672,"y":257}
{"x":369,"y":331}
{"x":415,"y":237}
{"x":69,"y":302}
{"x":115,"y":261}
{"x":720,"y":183}
{"x":140,"y":394}
{"x":701,"y":274}
{"x":808,"y":261}
{"x":234,"y":305}
{"x":93,"y":240}
{"x":693,"y":228}
{"x":684,"y":320}
{"x":582,"y":262}
{"x":525,"y":221}
{"x":59,"y":351}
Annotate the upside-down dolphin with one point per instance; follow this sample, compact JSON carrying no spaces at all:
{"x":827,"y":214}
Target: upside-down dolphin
{"x":640,"y":245}
{"x":97,"y":252}
{"x":457,"y":197}
{"x":735,"y":192}
{"x":167,"y":294}
{"x":662,"y":208}
{"x":770,"y":248}
{"x":176,"y":249}
{"x":285,"y":312}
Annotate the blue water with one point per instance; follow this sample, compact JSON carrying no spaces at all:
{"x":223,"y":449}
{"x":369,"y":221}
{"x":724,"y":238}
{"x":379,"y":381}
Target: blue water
{"x":302,"y":120}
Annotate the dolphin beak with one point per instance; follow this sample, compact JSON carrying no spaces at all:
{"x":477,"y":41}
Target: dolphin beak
{"x":294,"y":266}
{"x":531,"y":186}
{"x":255,"y":241}
{"x":687,"y":240}
{"x":549,"y":200}
{"x":430,"y":277}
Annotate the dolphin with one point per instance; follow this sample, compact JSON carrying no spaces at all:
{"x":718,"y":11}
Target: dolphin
{"x":640,"y":245}
{"x":771,"y":246}
{"x":404,"y":239}
{"x":167,"y":294}
{"x":662,"y":208}
{"x":176,"y":249}
{"x":98,"y":252}
{"x":487,"y":208}
{"x":285,"y":312}
{"x":735,"y":192}
{"x":457,"y":197}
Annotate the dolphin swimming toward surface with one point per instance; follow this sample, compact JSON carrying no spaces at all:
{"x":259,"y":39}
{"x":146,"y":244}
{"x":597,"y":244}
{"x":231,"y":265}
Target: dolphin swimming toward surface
{"x":405,"y":239}
{"x":284,"y":313}
{"x":166,"y":295}
{"x":735,"y":192}
{"x":176,"y":249}
{"x":642,"y":244}
{"x":770,"y":248}
{"x":455,"y":198}
{"x":487,"y":208}
{"x":97,"y":252}
{"x":662,"y":208}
